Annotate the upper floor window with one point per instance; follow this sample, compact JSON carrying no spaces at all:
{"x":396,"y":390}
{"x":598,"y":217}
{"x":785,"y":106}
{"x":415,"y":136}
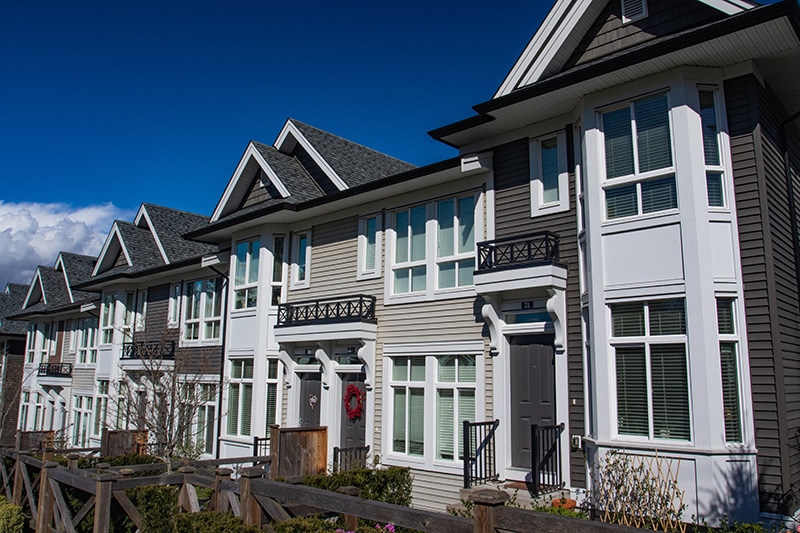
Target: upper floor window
{"x":245,"y":281}
{"x":30,"y":350}
{"x":278,"y":253}
{"x":709,"y":119}
{"x":107,"y":321}
{"x":87,"y":340}
{"x":369,"y":247}
{"x":46,"y":343}
{"x":301,"y":259}
{"x":640,"y":176}
{"x":729,"y":367}
{"x":202,"y":311}
{"x":549,"y":175}
{"x":135,"y":310}
{"x":173,"y":313}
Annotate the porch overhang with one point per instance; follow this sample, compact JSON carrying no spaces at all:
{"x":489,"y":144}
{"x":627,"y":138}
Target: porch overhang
{"x":334,"y":331}
{"x":547,"y":276}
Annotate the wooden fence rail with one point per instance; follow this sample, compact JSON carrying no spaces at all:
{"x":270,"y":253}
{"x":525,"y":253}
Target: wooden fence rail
{"x":39,"y":485}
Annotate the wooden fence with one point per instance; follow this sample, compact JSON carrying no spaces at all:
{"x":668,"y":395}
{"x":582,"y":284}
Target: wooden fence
{"x":39,"y":485}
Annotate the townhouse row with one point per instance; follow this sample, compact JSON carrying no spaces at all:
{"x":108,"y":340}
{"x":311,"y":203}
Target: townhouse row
{"x":613,"y":253}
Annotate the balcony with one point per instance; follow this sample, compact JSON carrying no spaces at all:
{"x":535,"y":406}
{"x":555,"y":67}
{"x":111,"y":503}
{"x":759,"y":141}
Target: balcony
{"x":356,"y":308}
{"x":55,"y":370}
{"x":148,"y":350}
{"x":527,"y":261}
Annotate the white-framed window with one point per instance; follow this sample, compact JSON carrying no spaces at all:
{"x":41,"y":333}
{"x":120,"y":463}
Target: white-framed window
{"x":70,"y":336}
{"x":640,"y":173}
{"x":202,"y":310}
{"x":649,"y":342}
{"x":129,"y":316}
{"x":370,"y":236}
{"x":30,"y":348}
{"x":245,"y":280}
{"x":108,"y":318}
{"x":729,"y":368}
{"x":240,"y":397}
{"x":123,"y":405}
{"x":81,"y":419}
{"x":712,"y":154}
{"x":272,"y":415}
{"x":46,"y":343}
{"x":174,"y":311}
{"x":301,"y":260}
{"x":24,"y":408}
{"x":278,"y":253}
{"x":141,"y":310}
{"x":199,"y":432}
{"x":417,"y":382}
{"x":87,"y":340}
{"x":38,"y":413}
{"x":100,"y":407}
{"x":433,"y":247}
{"x":633,"y":10}
{"x":549,"y":174}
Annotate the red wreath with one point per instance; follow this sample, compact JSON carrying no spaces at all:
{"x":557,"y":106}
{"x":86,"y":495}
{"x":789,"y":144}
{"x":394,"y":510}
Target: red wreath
{"x":354,"y":412}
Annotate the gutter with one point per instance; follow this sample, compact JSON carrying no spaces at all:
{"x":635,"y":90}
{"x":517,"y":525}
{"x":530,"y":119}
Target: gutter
{"x":224,"y":357}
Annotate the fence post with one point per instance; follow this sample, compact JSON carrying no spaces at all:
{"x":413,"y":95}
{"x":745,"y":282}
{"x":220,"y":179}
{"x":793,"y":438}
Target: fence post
{"x":350,"y":521}
{"x":16,"y":495}
{"x":102,"y":503}
{"x":485,"y":502}
{"x":251,"y":511}
{"x":274,"y":450}
{"x":221,"y":501}
{"x":465,"y":443}
{"x":44,"y":515}
{"x":72,"y":460}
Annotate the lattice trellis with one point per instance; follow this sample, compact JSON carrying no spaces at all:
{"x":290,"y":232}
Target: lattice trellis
{"x":639,"y":491}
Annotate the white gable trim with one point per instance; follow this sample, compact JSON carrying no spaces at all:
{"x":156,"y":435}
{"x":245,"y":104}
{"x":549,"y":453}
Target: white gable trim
{"x":36,"y":281}
{"x":113,"y":235}
{"x":253,"y":153}
{"x":556,"y":28}
{"x":60,"y":261}
{"x":142,"y":214}
{"x":290,"y":128}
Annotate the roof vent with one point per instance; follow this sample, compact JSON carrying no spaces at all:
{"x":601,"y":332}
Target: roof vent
{"x":633,"y":10}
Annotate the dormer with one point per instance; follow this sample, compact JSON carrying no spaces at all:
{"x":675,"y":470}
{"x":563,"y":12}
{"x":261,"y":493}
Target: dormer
{"x":114,"y":253}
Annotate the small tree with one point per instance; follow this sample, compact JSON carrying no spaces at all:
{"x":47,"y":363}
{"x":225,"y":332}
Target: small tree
{"x":10,"y":393}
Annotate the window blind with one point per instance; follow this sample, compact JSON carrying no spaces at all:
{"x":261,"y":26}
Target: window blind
{"x":372,"y":233}
{"x":247,"y":405}
{"x":659,"y":195}
{"x":627,"y":320}
{"x":416,"y":422}
{"x":549,"y":155}
{"x":652,"y":133}
{"x":730,"y":392}
{"x":619,"y":143}
{"x":725,"y":322}
{"x":466,"y":411}
{"x":621,"y":201}
{"x":233,"y":409}
{"x":272,"y":403}
{"x":632,"y":417}
{"x":670,"y":391}
{"x":708,"y":120}
{"x":667,"y":317}
{"x":714,"y":188}
{"x":399,"y":414}
{"x":445,"y":423}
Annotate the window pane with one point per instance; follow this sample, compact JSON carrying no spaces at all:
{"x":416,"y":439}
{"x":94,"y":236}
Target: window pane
{"x":233,"y":409}
{"x":652,"y":133}
{"x":659,"y":195}
{"x":255,"y":250}
{"x":621,"y":201}
{"x":418,"y":219}
{"x":247,"y":369}
{"x":272,"y":403}
{"x":447,"y":275}
{"x":725,"y":321}
{"x":667,"y":317}
{"x":400,"y":368}
{"x":399,"y":430}
{"x":302,"y":250}
{"x":670,"y":391}
{"x":730,"y":392}
{"x":444,"y":424}
{"x":272,"y":369}
{"x":418,"y":279}
{"x":447,"y":369}
{"x":247,"y":399}
{"x":401,"y":281}
{"x":708,"y":119}
{"x":416,"y":422}
{"x":417,"y":369}
{"x":619,"y":143}
{"x":402,"y":237}
{"x":372,"y":231}
{"x":466,"y":369}
{"x":716,"y":197}
{"x":632,"y":416}
{"x":445,"y":215}
{"x":466,"y":411}
{"x":277,"y":259}
{"x":466,"y":224}
{"x":241,"y":263}
{"x":550,"y":170}
{"x":627,"y":320}
{"x":466,"y":268}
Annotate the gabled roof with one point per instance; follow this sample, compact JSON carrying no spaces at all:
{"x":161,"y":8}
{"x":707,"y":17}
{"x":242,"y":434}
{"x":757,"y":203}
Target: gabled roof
{"x":11,"y":303}
{"x":168,"y":226}
{"x":306,"y":163}
{"x":559,"y":34}
{"x":75,"y":268}
{"x":47,"y":293}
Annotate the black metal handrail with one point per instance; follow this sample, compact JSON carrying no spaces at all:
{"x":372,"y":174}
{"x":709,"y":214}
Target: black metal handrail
{"x":524,"y":250}
{"x":546,"y":458}
{"x":478,"y":452}
{"x":57,"y":370}
{"x":357,"y":307}
{"x":148,"y":350}
{"x":260,"y":446}
{"x":345,"y":459}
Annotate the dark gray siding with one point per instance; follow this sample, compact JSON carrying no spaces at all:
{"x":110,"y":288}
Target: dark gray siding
{"x":261,"y":190}
{"x":770,"y":284}
{"x":608,"y":35}
{"x":513,"y":217}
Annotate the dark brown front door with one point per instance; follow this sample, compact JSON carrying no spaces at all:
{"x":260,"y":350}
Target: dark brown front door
{"x":310,"y":396}
{"x":353,"y":433}
{"x":533,"y":395}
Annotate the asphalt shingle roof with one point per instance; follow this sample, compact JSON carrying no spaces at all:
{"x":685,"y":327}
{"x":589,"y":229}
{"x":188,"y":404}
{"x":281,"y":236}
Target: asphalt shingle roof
{"x":170,"y":225}
{"x":11,"y":303}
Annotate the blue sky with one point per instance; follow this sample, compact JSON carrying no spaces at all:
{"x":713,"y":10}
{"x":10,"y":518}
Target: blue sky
{"x":104,"y":105}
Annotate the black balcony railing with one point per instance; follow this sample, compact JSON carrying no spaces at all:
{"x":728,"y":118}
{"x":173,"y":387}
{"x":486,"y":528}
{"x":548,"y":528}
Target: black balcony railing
{"x":546,"y":458}
{"x":524,"y":250}
{"x":356,"y":308}
{"x":148,"y":350}
{"x":56,"y":370}
{"x":478,"y":452}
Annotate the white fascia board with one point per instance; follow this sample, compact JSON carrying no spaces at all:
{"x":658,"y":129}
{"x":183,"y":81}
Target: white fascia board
{"x":251,"y":152}
{"x":60,"y":261}
{"x":290,"y":128}
{"x":37,"y":280}
{"x":143,"y":214}
{"x":114,"y":233}
{"x":729,"y":7}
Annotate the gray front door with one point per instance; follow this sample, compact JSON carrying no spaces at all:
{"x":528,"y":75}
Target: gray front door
{"x":533,"y":395}
{"x":354,"y":431}
{"x":310,"y":396}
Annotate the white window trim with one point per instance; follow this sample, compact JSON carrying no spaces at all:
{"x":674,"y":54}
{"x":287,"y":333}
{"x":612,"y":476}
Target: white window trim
{"x":247,"y":285}
{"x":722,"y":167}
{"x":100,"y":403}
{"x":295,"y":282}
{"x":239,"y":381}
{"x":174,"y":309}
{"x":735,"y":339}
{"x":363,"y":273}
{"x":107,"y":329}
{"x":538,"y":207}
{"x":89,"y":349}
{"x":140,"y":315}
{"x":201,"y":320}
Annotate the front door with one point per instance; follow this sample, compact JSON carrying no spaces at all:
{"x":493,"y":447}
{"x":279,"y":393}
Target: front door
{"x":310,"y":396}
{"x":533,"y":395}
{"x":354,"y":430}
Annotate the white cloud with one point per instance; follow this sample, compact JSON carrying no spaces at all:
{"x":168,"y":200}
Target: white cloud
{"x":32,"y":234}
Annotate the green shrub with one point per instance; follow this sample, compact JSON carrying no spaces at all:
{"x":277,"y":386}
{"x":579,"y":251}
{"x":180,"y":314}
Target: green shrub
{"x":211,"y":522}
{"x":389,"y":485}
{"x":11,"y":518}
{"x":158,"y":506}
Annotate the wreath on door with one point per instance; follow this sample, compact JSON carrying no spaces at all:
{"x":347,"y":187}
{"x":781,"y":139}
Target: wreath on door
{"x":354,"y":409}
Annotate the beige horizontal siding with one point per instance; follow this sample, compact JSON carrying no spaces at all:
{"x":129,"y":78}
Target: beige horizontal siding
{"x":434,"y":490}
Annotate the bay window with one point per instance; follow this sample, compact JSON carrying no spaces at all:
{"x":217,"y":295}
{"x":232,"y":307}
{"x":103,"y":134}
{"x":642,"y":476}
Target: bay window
{"x":87,"y":340}
{"x":278,"y":253}
{"x":82,"y":418}
{"x":649,"y":341}
{"x":729,"y":368}
{"x":240,"y":397}
{"x":245,"y":280}
{"x":100,"y":407}
{"x":410,"y":267}
{"x":108,"y":318}
{"x":202,"y":310}
{"x":715,"y":182}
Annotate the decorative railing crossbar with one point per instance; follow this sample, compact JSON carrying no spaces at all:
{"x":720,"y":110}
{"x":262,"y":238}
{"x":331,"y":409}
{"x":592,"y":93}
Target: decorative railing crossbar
{"x":546,"y":458}
{"x":358,"y":307}
{"x":479,"y":452}
{"x":58,"y":370}
{"x":148,"y":350}
{"x":261,"y":445}
{"x":524,"y":250}
{"x":345,"y":459}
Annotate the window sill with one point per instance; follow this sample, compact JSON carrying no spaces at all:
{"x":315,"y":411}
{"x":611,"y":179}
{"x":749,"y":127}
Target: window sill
{"x":549,"y":209}
{"x":199,"y":343}
{"x":368,"y":276}
{"x":247,"y":311}
{"x":441,"y":294}
{"x":668,"y":216}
